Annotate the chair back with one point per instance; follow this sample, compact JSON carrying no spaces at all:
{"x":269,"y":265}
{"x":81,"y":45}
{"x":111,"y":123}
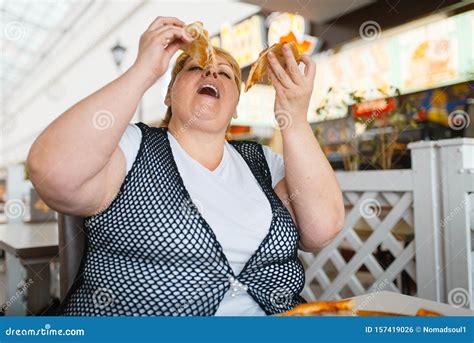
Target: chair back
{"x":71,"y":248}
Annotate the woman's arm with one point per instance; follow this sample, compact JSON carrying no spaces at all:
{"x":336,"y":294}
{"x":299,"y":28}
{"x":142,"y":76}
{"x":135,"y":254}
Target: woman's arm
{"x":310,"y":187}
{"x":75,"y":161}
{"x":76,"y":164}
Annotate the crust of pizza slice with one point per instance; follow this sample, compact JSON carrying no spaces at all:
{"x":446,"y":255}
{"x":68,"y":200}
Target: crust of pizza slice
{"x":364,"y":313}
{"x":200,"y":48}
{"x":318,"y":308}
{"x":427,"y":313}
{"x":260,"y":67}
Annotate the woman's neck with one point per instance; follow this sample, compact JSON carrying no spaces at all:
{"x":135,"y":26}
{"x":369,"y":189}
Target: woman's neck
{"x":207,"y":148}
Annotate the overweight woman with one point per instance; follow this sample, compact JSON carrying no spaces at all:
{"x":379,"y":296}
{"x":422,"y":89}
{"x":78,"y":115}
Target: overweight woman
{"x":179,"y":220}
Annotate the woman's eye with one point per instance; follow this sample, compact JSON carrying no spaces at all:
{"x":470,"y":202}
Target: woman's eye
{"x":195,"y":68}
{"x":225,"y":74}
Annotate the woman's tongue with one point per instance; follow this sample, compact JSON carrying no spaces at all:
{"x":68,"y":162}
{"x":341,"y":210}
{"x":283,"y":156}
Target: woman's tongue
{"x":208,"y":91}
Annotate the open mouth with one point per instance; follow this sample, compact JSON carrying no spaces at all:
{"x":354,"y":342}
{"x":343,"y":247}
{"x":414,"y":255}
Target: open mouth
{"x":209,"y":90}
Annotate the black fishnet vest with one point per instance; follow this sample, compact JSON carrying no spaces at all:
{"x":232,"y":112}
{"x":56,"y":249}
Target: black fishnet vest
{"x":151,"y":252}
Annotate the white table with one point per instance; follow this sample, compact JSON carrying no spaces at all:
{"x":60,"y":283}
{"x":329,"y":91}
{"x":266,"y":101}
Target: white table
{"x":29,"y":250}
{"x":404,"y":304}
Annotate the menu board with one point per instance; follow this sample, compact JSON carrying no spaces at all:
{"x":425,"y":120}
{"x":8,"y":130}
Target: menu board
{"x":429,"y":56}
{"x":436,"y":104}
{"x":432,"y":55}
{"x":244,"y":40}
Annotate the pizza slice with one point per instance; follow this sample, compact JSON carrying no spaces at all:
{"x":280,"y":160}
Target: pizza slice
{"x":323,"y":308}
{"x":260,"y":67}
{"x":200,"y":48}
{"x":343,"y":308}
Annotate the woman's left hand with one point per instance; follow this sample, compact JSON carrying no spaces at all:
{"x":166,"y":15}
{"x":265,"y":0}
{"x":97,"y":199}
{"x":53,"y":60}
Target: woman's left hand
{"x":293,"y":88}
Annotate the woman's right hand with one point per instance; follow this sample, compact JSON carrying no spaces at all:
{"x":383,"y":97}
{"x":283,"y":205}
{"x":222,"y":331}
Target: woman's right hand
{"x":158,"y":43}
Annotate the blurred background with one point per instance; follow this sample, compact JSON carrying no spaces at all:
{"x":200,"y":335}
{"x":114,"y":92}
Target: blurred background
{"x":392,"y":107}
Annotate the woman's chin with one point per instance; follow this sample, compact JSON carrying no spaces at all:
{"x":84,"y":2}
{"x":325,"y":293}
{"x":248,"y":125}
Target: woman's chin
{"x":207,"y":116}
{"x":210,"y":121}
{"x":206,"y":110}
{"x":205,"y":105}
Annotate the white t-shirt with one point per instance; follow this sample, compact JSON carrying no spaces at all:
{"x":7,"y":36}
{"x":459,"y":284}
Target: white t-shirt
{"x":230,"y":200}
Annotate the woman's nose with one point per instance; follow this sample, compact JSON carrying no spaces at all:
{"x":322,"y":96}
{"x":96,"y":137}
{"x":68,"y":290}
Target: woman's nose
{"x":210,"y":71}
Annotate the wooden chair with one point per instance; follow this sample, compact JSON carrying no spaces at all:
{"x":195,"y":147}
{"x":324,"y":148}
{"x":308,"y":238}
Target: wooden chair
{"x":71,"y":249}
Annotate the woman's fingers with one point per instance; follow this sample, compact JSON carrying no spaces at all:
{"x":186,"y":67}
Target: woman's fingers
{"x":278,"y":71}
{"x":310,"y":66}
{"x":276,"y":83}
{"x":173,"y":47}
{"x":292,"y":66}
{"x":161,"y":21}
{"x":169,"y":34}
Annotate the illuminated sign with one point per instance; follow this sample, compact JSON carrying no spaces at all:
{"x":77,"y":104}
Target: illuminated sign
{"x":373,"y":108}
{"x":244,"y":40}
{"x":284,"y":25}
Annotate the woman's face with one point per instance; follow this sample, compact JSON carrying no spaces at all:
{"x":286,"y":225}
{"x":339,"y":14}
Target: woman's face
{"x":204,"y":98}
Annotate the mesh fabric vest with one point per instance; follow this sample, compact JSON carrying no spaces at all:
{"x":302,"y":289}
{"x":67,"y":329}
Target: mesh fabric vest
{"x":152,"y":253}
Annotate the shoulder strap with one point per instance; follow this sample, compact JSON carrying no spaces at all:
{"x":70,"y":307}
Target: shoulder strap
{"x":252,"y":153}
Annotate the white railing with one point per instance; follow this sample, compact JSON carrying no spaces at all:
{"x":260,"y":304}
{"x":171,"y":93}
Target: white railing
{"x":407,"y":231}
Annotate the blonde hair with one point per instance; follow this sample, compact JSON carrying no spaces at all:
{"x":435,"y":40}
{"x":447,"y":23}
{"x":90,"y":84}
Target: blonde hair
{"x":179,"y":65}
